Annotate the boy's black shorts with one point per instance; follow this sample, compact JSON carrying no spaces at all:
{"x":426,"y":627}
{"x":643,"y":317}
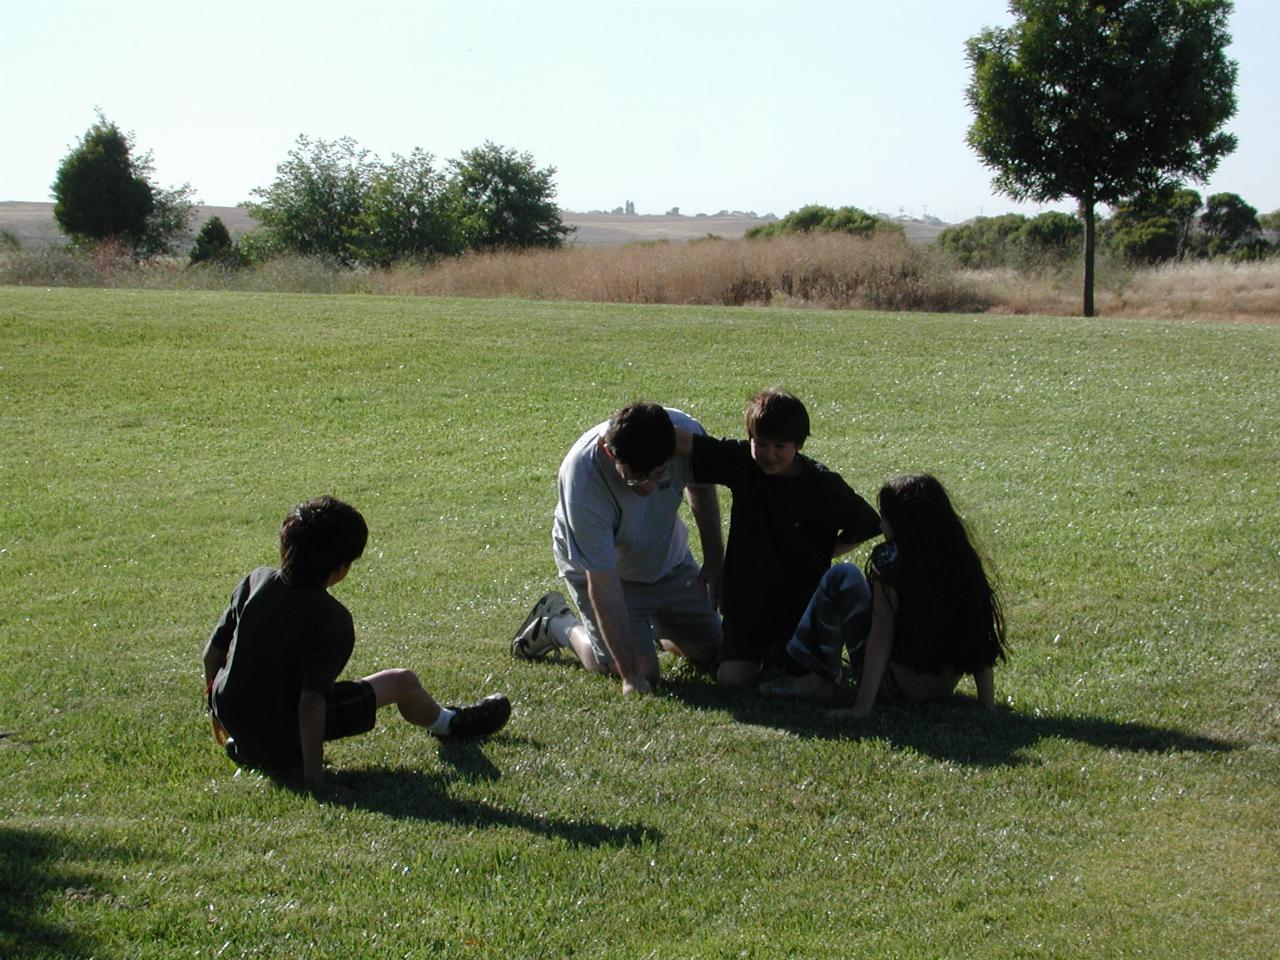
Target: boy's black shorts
{"x":349,"y":708}
{"x":755,"y":643}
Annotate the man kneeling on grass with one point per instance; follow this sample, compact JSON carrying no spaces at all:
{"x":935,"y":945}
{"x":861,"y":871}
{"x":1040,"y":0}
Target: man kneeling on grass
{"x":272,"y":663}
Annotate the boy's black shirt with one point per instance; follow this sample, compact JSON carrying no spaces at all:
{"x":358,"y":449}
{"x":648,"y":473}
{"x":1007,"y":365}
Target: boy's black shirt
{"x":281,"y":640}
{"x":782,"y":531}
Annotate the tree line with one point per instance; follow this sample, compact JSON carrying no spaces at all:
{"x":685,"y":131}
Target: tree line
{"x":1173,"y":224}
{"x":330,"y":198}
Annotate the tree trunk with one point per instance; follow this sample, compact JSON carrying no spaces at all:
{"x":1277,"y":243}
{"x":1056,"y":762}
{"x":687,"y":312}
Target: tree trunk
{"x":1086,"y":214}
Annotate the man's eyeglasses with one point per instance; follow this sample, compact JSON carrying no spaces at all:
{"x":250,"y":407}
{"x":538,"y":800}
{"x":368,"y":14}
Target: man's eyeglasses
{"x":660,"y":475}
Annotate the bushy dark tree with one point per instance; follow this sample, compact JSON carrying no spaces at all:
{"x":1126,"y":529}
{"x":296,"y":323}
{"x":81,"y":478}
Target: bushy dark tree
{"x":1228,"y":223}
{"x":1099,"y":100}
{"x":818,"y":218}
{"x":99,"y":192}
{"x":982,"y":242}
{"x":1048,"y":238}
{"x":213,"y":244}
{"x":103,"y":190}
{"x":1012,"y":240}
{"x":1154,"y":226}
{"x":1153,"y":239}
{"x":505,"y":201}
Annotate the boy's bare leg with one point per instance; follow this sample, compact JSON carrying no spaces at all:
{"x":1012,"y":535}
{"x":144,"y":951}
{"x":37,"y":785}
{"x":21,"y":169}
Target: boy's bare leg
{"x":402,"y":688}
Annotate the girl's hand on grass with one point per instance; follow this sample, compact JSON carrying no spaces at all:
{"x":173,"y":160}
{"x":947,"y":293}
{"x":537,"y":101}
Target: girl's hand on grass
{"x":639,"y":684}
{"x":847,"y":713}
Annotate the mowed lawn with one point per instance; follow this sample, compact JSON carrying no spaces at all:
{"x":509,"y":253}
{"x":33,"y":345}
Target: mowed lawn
{"x":1123,"y":801}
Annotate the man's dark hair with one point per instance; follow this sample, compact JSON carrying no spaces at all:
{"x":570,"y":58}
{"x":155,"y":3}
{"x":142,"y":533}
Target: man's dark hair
{"x":641,"y":436}
{"x":319,"y":537}
{"x":776,"y":415}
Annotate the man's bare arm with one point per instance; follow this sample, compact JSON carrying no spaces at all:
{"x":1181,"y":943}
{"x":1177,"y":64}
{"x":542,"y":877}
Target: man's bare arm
{"x":610,"y":606}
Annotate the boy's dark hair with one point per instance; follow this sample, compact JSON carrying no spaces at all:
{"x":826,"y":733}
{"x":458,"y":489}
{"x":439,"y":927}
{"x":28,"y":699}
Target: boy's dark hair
{"x":319,"y":537}
{"x":641,"y":436}
{"x":776,"y":415}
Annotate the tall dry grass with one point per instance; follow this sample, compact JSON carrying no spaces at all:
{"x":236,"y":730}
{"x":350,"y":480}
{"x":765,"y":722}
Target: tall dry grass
{"x":828,"y":270}
{"x":1220,"y":290}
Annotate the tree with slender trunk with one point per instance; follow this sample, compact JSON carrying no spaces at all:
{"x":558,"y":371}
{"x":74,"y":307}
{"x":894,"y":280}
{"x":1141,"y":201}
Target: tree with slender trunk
{"x":1100,"y":100}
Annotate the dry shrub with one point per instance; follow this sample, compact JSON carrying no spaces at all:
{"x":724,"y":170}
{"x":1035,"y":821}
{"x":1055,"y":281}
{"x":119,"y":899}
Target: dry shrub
{"x":1204,"y":290}
{"x":1214,"y":290}
{"x":1020,"y":292}
{"x":825,"y":270}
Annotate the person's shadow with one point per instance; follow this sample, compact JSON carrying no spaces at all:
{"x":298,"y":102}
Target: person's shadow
{"x":415,"y":794}
{"x":34,"y":867}
{"x":955,"y":729}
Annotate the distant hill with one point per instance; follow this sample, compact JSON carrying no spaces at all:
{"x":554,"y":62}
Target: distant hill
{"x":33,"y":225}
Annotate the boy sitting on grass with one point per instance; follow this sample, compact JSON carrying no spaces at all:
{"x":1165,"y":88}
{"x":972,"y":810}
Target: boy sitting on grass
{"x":272,"y":663}
{"x":790,"y":516}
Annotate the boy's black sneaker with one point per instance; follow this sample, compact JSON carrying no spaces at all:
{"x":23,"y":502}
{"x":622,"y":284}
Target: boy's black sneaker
{"x":481,"y":719}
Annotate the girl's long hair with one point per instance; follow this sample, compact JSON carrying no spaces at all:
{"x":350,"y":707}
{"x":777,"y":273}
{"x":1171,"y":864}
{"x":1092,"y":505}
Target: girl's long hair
{"x":948,"y":615}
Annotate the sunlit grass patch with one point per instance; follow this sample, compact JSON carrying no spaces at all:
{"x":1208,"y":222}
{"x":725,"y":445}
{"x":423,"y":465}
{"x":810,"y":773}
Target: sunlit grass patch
{"x":1122,"y":477}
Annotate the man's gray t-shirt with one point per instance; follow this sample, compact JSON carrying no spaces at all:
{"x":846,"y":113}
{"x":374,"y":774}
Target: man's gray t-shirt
{"x":602,"y":526}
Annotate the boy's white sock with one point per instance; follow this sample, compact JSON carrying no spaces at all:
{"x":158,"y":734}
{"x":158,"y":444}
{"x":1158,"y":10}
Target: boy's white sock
{"x":441,"y":726}
{"x":559,"y":626}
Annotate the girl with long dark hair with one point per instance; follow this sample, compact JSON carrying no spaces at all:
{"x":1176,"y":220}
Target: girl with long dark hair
{"x":925,"y":606}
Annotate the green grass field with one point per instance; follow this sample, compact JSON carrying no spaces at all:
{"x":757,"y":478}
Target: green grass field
{"x":1123,"y":802}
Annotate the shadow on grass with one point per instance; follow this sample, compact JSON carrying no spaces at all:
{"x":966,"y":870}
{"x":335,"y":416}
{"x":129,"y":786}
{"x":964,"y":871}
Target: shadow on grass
{"x":32,"y":876}
{"x":414,"y":794}
{"x":955,"y":729}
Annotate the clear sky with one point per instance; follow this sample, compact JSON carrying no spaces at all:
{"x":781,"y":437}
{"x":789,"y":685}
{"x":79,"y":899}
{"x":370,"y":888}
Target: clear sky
{"x":761,"y":105}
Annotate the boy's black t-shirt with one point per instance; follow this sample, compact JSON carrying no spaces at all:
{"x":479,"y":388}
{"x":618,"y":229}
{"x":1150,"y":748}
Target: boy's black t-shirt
{"x":281,"y":640}
{"x":782,"y":531}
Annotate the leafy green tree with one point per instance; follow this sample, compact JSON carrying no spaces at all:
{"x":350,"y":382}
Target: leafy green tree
{"x":168,"y":228}
{"x":505,"y":201}
{"x":258,"y":246}
{"x":1012,"y":240}
{"x":408,"y":212}
{"x":1048,"y":238}
{"x":818,"y":218}
{"x":1152,"y":239}
{"x":982,"y":242}
{"x":1099,"y":100}
{"x":99,"y":191}
{"x":315,"y":206}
